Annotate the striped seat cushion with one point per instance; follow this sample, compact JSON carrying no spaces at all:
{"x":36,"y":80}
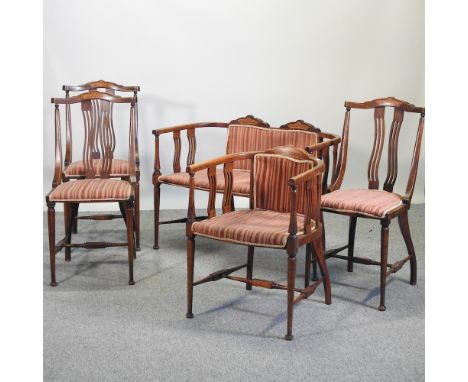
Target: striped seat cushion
{"x":241,"y":180}
{"x":260,"y":228}
{"x":374,"y":203}
{"x":244,"y":138}
{"x":92,"y":190}
{"x":119,"y":168}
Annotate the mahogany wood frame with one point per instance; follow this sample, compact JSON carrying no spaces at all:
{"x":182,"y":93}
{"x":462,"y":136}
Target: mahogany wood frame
{"x":379,"y":105}
{"x":110,"y":88}
{"x":92,"y":114}
{"x":311,"y":236}
{"x":326,"y":141}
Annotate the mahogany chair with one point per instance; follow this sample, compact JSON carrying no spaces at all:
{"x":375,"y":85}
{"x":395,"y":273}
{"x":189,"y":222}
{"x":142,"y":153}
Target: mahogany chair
{"x":244,"y":134}
{"x":284,"y":214}
{"x":119,"y":167}
{"x":372,"y":203}
{"x":96,"y":186}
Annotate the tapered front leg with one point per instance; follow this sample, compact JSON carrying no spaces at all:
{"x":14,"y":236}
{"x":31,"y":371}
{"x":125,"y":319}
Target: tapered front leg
{"x":352,"y":235}
{"x":129,"y":217}
{"x":319,"y":253}
{"x":75,"y":209}
{"x":68,"y":220}
{"x":156,"y":191}
{"x":137,"y":216}
{"x":291,"y":285}
{"x":405,"y":231}
{"x":308,"y":262}
{"x":190,"y":268}
{"x":383,"y":262}
{"x":250,"y":257}
{"x":51,"y":228}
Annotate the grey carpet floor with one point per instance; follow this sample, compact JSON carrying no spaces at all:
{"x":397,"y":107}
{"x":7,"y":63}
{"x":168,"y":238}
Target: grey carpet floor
{"x":98,"y":328}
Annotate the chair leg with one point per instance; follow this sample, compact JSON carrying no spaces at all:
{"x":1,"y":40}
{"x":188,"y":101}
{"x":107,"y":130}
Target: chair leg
{"x":291,"y":284}
{"x":319,"y":253}
{"x":190,"y":267}
{"x":75,"y":208}
{"x":129,"y":217}
{"x":137,"y":216}
{"x":157,"y":196}
{"x":383,"y":262}
{"x":405,"y":231}
{"x":308,"y":262}
{"x":314,"y":264}
{"x":68,"y":219}
{"x":250,"y":257}
{"x":323,"y":230}
{"x":352,"y":235}
{"x":51,"y":228}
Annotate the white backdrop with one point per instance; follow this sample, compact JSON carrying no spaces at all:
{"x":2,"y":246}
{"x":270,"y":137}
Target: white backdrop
{"x":211,"y":60}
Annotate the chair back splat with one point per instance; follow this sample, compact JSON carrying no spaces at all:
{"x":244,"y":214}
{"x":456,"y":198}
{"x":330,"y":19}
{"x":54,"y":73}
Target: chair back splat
{"x":371,"y":202}
{"x":399,"y":109}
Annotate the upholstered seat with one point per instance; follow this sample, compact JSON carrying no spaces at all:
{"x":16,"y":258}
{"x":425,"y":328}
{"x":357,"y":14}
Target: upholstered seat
{"x":119,"y":168}
{"x":91,"y":190}
{"x":241,"y":180}
{"x":261,"y":228}
{"x":373,"y":203}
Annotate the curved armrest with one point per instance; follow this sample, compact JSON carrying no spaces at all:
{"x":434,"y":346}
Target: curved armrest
{"x":229,"y":158}
{"x":190,"y":126}
{"x":310,"y":179}
{"x":322,"y":150}
{"x":175,"y":130}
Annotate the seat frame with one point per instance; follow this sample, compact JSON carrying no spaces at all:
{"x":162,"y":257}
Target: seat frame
{"x":321,"y":150}
{"x":110,"y":88}
{"x":386,"y":268}
{"x":311,"y":237}
{"x":88,"y":102}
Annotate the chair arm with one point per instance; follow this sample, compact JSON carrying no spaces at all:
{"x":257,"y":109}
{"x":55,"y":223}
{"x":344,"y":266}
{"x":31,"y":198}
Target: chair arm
{"x":312,"y":185}
{"x":196,"y":167}
{"x":175,"y":130}
{"x":189,"y":126}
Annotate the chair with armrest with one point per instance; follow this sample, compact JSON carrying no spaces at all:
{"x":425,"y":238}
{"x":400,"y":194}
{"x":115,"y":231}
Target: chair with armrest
{"x":284,"y":214}
{"x":244,"y":135}
{"x":372,"y":203}
{"x":96,"y":185}
{"x":119,"y":167}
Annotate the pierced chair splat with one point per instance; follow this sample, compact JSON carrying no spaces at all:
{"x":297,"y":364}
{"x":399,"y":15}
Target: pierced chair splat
{"x":93,"y":187}
{"x":372,"y":203}
{"x":119,"y":168}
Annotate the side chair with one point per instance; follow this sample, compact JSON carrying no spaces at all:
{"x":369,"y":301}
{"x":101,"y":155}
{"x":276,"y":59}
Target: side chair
{"x":244,"y":134}
{"x":119,"y":167}
{"x":96,"y":186}
{"x":284,"y":214}
{"x":372,"y":203}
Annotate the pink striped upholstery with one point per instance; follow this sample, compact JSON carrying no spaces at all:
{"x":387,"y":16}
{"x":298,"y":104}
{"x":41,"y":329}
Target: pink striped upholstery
{"x":241,"y":180}
{"x":91,"y":190}
{"x":119,"y":168}
{"x":251,"y":227}
{"x":271,"y":189}
{"x":243,"y":138}
{"x":374,"y":203}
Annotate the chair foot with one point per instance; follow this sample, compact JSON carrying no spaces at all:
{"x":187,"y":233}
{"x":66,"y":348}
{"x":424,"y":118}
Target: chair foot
{"x":248,"y":287}
{"x":155,"y":246}
{"x":314,"y":278}
{"x":138,"y":248}
{"x":53,"y":284}
{"x":131,"y":282}
{"x":67,"y":258}
{"x":189,"y":315}
{"x":382,"y":308}
{"x":288,"y":337}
